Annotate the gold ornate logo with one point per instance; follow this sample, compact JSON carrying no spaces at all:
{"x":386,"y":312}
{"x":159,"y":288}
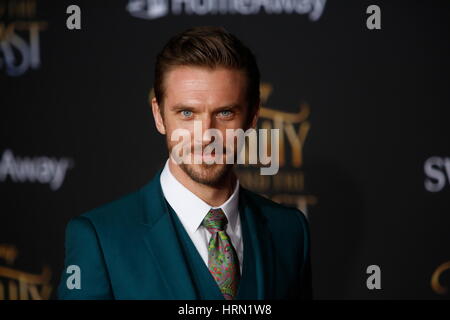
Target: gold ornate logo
{"x":20,"y":285}
{"x":288,"y":185}
{"x":20,"y":36}
{"x":435,"y":278}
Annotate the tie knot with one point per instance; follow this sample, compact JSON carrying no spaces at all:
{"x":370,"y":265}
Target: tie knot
{"x":215,"y":220}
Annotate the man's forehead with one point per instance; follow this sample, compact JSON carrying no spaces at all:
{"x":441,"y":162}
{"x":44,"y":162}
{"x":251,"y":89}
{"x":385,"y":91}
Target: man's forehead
{"x":195,"y":85}
{"x":197,"y":75}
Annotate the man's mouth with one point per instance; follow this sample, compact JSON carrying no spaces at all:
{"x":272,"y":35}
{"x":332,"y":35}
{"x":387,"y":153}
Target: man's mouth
{"x":206,"y":156}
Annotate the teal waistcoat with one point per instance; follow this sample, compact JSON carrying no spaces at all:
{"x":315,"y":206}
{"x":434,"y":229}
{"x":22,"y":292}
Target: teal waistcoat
{"x":205,"y":285}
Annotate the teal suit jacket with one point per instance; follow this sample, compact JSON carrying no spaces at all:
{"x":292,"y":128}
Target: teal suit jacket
{"x":127,"y":249}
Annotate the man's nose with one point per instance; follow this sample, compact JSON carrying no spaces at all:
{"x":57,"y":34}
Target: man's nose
{"x":207,"y":124}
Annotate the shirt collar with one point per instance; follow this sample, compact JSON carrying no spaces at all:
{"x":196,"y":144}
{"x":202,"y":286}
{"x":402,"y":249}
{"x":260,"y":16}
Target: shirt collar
{"x":191,"y":209}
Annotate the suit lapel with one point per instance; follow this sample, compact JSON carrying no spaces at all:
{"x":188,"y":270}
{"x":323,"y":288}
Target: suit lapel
{"x":162,"y":243}
{"x":255,"y":229}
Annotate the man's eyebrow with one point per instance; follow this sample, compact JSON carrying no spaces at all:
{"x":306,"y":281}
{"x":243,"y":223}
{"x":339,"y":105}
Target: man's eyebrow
{"x":229,"y":107}
{"x":180,"y":107}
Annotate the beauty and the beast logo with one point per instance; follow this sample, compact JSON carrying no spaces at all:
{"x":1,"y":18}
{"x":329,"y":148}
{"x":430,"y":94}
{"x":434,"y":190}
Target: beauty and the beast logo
{"x":21,"y":285}
{"x":288,"y":185}
{"x":20,"y":36}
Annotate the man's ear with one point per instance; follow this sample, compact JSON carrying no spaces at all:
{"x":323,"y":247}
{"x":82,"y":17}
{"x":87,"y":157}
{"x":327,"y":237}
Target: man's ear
{"x":158,"y":117}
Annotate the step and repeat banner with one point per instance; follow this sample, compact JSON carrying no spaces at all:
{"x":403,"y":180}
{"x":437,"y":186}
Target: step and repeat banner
{"x":358,"y":89}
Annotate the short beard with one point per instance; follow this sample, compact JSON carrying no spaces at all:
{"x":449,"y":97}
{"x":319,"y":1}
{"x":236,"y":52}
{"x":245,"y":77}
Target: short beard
{"x":212,"y":175}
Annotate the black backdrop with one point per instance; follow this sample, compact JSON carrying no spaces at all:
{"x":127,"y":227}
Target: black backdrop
{"x":370,"y":166}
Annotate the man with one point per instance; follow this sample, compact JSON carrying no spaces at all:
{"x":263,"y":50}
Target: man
{"x":193,"y":232}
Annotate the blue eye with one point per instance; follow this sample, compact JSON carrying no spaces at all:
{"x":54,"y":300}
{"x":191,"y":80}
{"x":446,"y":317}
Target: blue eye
{"x":186,"y":113}
{"x":226,"y":113}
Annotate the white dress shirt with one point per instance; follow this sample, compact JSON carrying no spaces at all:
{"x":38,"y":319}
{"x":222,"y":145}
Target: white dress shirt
{"x":191,"y":210}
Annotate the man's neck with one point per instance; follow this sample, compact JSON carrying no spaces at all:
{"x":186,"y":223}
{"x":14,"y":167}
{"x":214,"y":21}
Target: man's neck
{"x":212,"y":195}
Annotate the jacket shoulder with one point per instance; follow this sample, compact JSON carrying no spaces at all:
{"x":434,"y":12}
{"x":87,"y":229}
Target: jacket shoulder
{"x":117,"y":212}
{"x":287,"y":220}
{"x":270,"y":208}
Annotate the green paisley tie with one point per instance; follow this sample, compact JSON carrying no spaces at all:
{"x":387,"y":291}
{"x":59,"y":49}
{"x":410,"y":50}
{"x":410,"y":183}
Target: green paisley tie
{"x":223,"y":262}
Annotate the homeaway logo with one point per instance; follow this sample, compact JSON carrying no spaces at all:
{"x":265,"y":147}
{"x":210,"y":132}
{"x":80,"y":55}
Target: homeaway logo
{"x":152,"y":9}
{"x":148,"y":9}
{"x":39,"y":169}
